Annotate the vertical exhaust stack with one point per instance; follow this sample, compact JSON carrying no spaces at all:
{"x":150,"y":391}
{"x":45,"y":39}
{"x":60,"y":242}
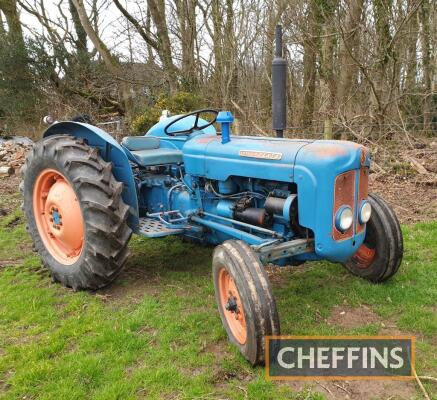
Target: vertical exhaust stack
{"x":279,"y":86}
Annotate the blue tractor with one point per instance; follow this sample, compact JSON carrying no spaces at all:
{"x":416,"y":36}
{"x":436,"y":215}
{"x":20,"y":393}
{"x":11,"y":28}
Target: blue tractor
{"x":260,"y":200}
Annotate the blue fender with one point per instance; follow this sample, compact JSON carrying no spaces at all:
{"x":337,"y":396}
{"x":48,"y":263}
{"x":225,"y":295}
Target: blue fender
{"x":110,"y":151}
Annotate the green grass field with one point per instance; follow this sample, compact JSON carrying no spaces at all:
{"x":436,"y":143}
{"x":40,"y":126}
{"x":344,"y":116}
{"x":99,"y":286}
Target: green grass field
{"x":156,"y":333}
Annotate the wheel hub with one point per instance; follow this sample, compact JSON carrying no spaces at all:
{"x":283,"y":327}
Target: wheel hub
{"x":232,"y":305}
{"x":58,"y":217}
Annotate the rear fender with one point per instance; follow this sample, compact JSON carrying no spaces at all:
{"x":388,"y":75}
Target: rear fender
{"x":111,"y":152}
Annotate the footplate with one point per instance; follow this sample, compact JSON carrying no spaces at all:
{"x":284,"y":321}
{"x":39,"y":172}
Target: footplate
{"x":151,"y":227}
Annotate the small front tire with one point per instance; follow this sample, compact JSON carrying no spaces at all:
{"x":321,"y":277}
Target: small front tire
{"x":244,"y":297}
{"x":380,"y":256}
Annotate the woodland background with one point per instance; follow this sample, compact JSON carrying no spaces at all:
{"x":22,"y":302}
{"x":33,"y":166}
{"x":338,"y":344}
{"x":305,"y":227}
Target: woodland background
{"x":360,"y":69}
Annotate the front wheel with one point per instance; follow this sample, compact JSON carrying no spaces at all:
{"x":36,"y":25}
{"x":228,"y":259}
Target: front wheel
{"x":244,"y":298}
{"x":75,"y":213}
{"x":380,"y":256}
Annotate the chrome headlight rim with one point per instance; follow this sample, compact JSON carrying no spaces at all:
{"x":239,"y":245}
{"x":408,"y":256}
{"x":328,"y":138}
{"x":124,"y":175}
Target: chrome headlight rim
{"x":344,"y":218}
{"x":365,"y":212}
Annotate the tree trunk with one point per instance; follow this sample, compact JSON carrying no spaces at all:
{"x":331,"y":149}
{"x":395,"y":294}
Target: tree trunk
{"x":309,"y":66}
{"x":230,"y":56}
{"x":327,"y":86}
{"x":413,"y":29}
{"x":349,"y":45}
{"x":158,"y":14}
{"x":81,"y":41}
{"x":186,"y":13}
{"x":217,"y":41}
{"x":2,"y":26}
{"x":382,"y":10}
{"x":428,"y":66}
{"x":15,"y":32}
{"x":110,"y":61}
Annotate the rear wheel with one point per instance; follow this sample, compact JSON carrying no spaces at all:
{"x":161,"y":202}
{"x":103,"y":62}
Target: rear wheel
{"x":244,"y":298}
{"x":380,"y":256}
{"x":75,"y":213}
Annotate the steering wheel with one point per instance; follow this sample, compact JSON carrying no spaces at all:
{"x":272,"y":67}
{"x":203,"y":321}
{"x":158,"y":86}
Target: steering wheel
{"x":195,"y":127}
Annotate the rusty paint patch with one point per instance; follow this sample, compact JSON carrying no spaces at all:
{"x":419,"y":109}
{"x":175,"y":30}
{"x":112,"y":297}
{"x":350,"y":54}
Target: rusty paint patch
{"x":344,"y":193}
{"x":363,"y":194}
{"x":363,"y":157}
{"x":327,"y":151}
{"x":207,"y":139}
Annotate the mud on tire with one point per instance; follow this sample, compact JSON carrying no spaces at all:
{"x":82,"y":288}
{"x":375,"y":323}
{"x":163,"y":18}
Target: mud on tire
{"x":106,"y":233}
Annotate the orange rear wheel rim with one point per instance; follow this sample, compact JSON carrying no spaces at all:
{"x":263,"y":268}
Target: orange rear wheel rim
{"x":58,"y":216}
{"x":232,"y":306}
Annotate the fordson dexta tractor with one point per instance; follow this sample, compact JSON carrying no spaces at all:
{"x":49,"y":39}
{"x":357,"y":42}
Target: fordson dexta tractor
{"x":260,"y":200}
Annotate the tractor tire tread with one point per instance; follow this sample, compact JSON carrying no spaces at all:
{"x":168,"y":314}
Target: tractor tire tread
{"x":255,"y":290}
{"x":107,"y":233}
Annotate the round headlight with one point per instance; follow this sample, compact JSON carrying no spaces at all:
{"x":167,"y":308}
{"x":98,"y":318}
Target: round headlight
{"x":344,"y":218}
{"x":365,"y":212}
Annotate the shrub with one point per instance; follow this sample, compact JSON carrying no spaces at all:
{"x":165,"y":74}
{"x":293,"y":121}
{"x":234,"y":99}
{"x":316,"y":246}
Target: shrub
{"x":179,"y":103}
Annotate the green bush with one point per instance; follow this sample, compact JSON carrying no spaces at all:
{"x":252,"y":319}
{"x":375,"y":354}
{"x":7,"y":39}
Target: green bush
{"x":179,"y":103}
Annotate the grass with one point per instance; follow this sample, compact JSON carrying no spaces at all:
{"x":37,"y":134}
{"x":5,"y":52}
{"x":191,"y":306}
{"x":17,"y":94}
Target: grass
{"x":156,"y":333}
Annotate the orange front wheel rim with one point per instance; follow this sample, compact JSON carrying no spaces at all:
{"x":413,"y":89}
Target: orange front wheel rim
{"x":364,"y":256}
{"x":232,"y":306}
{"x":58,"y":216}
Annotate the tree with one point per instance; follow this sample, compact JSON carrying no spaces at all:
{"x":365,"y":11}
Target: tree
{"x":111,"y":62}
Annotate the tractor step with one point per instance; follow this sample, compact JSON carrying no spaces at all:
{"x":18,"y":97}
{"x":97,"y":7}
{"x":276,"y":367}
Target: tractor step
{"x":151,"y":227}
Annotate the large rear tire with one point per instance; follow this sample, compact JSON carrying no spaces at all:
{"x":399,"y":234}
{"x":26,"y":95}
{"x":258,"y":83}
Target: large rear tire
{"x":244,"y":297}
{"x":380,"y":256}
{"x":75,"y":213}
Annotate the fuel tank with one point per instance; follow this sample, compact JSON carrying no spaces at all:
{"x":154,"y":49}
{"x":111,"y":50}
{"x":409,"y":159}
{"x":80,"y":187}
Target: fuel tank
{"x":252,"y":157}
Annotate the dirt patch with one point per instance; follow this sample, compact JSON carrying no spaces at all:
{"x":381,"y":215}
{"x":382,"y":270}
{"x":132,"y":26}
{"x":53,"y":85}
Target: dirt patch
{"x":9,"y":199}
{"x":219,"y":349}
{"x":10,"y":263}
{"x":359,"y":390}
{"x":130,"y":286}
{"x":12,"y":224}
{"x":411,"y":198}
{"x":350,"y":318}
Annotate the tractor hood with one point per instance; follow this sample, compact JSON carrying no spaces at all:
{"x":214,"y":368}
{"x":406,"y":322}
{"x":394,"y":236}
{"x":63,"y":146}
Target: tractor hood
{"x":248,"y":156}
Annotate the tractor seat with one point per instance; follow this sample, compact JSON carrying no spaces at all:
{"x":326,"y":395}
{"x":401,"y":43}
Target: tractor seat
{"x":147,"y":152}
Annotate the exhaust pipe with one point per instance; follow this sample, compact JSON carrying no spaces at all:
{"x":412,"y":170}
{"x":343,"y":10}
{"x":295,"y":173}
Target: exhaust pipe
{"x":279,"y":86}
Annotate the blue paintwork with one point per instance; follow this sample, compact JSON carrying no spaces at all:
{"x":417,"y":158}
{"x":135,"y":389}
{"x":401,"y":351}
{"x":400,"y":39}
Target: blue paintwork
{"x":56,"y":217}
{"x":305,"y":167}
{"x":225,"y":118}
{"x":110,"y":151}
{"x":317,"y":165}
{"x":206,"y":156}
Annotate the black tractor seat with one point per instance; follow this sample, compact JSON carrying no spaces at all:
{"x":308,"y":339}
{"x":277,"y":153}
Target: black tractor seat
{"x":147,"y":152}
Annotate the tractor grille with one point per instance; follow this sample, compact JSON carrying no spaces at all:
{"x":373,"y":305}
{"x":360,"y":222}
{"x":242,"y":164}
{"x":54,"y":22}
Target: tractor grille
{"x":344,"y":194}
